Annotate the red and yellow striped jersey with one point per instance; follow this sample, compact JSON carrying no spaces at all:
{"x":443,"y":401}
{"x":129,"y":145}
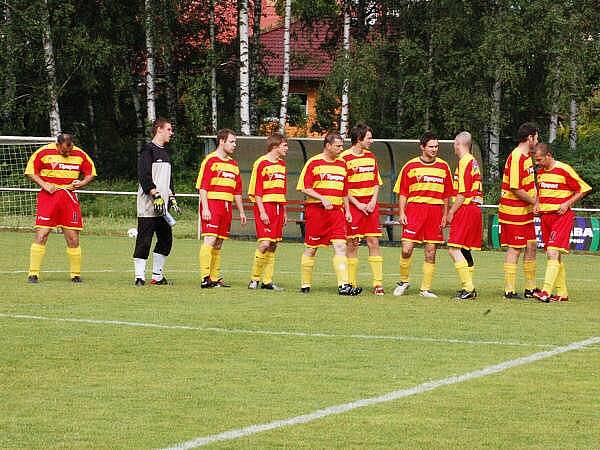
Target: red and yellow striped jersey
{"x":52,"y":167}
{"x":421,"y":182}
{"x":518,"y":174}
{"x":268,"y":181}
{"x":558,"y":185}
{"x":363,"y":173}
{"x":467,"y":180}
{"x":219,"y":177}
{"x":326,"y":178}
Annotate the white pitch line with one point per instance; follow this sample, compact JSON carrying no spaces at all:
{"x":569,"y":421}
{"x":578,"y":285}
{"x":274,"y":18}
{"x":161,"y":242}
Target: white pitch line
{"x":390,"y":396}
{"x":366,"y":337}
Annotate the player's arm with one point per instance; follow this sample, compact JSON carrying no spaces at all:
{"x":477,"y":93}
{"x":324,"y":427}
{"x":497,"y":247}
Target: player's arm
{"x":347,"y":209}
{"x":240,"y":206}
{"x":565,"y":206}
{"x":48,"y":187}
{"x":458,"y":201}
{"x":145,"y":173}
{"x":261,"y":210}
{"x":203,"y":194}
{"x":78,"y":184}
{"x":444,"y":213}
{"x":373,"y":202}
{"x":524,"y":196}
{"x":402,"y":200}
{"x":314,"y":194}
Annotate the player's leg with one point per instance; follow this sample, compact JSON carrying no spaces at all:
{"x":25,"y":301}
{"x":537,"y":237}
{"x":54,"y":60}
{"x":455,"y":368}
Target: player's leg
{"x":267,"y":278}
{"x":260,"y":260}
{"x":376,"y":263}
{"x":307,"y":265}
{"x":428,"y":270}
{"x":37,"y":252}
{"x":352,"y":245}
{"x":405,"y":263}
{"x":162,"y":249}
{"x":511,"y":259}
{"x":205,"y":259}
{"x":215,"y":263}
{"x":73,"y":253}
{"x":143,"y":241}
{"x":529,"y":268}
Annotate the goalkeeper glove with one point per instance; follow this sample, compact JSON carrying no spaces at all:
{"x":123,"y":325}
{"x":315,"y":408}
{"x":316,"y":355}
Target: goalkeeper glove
{"x":159,"y":205}
{"x":173,"y":205}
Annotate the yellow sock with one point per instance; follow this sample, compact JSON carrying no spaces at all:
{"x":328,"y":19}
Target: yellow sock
{"x":552,"y":269}
{"x":405,"y":269}
{"x":428,"y":271}
{"x":215,"y":264}
{"x":269,"y":267}
{"x":352,"y":269}
{"x":561,"y":281}
{"x":510,"y":277}
{"x":205,"y":257}
{"x":340,"y":265}
{"x":36,"y":256}
{"x":376,"y":263}
{"x":74,"y":255}
{"x":529,"y":268}
{"x":466,"y":279}
{"x":306,"y":270}
{"x":259,"y":265}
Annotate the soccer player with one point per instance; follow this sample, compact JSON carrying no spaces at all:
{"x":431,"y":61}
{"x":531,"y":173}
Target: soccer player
{"x":464,"y":216}
{"x":267,"y":190}
{"x":155,"y":194}
{"x":58,"y":169}
{"x":324,"y":182}
{"x":219,"y":184}
{"x":424,"y":186}
{"x":559,"y":188}
{"x":363,"y":188}
{"x":515,"y":213}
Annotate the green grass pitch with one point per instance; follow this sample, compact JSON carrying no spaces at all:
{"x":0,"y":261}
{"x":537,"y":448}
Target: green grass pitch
{"x":82,"y":367}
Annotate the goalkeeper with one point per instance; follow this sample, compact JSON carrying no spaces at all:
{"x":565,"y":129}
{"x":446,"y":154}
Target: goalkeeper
{"x":155,"y":195}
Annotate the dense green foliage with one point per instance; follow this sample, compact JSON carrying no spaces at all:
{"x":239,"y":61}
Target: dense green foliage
{"x":413,"y":65}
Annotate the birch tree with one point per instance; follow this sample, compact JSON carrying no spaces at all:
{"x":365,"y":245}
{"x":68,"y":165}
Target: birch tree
{"x":50,"y":64}
{"x":213,"y":68}
{"x":346,"y":83}
{"x":244,"y":69}
{"x":150,"y":94}
{"x":255,"y":55}
{"x":285,"y":85}
{"x":573,"y":124}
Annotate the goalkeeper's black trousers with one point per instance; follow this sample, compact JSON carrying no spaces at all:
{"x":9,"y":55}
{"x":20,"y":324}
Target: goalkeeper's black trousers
{"x":146,"y":228}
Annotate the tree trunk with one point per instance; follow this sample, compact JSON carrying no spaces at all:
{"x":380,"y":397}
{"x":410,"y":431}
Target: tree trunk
{"x":10,"y":82}
{"x":213,"y":70}
{"x":554,"y":108}
{"x":346,"y":84}
{"x":573,"y":125}
{"x":255,"y":51}
{"x":92,"y":116}
{"x":429,"y":83}
{"x":54,"y":113}
{"x":494,"y":150}
{"x":244,"y":73}
{"x":285,"y":85}
{"x":150,"y":95}
{"x":139,"y":117}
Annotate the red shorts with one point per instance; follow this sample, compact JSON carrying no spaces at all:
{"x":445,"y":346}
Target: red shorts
{"x":58,"y":210}
{"x":516,"y":236}
{"x":466,"y":228}
{"x":363,"y":224}
{"x":424,"y":223}
{"x":220,"y":219}
{"x":323,"y":226}
{"x":556,"y":230}
{"x":273,"y":231}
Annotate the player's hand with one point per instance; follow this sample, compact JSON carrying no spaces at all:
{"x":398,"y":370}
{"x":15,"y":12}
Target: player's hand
{"x":264,"y":218}
{"x":564,"y":207}
{"x":362,"y":207}
{"x":402,"y":218}
{"x":326,"y":203}
{"x":348,"y":217}
{"x":159,"y":205}
{"x":206,"y":216}
{"x":74,"y":184}
{"x":371,"y":206}
{"x":173,"y":205}
{"x":444,"y":222}
{"x":536,"y":208}
{"x":285,"y":219}
{"x":49,"y":188}
{"x":243,"y":219}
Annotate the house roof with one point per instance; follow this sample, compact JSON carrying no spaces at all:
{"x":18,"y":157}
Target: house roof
{"x":309,"y":60}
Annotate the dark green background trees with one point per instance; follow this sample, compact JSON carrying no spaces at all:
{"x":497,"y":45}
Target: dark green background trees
{"x":444,"y":65}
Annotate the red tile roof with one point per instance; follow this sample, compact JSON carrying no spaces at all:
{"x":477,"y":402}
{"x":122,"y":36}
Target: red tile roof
{"x":308,"y":58}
